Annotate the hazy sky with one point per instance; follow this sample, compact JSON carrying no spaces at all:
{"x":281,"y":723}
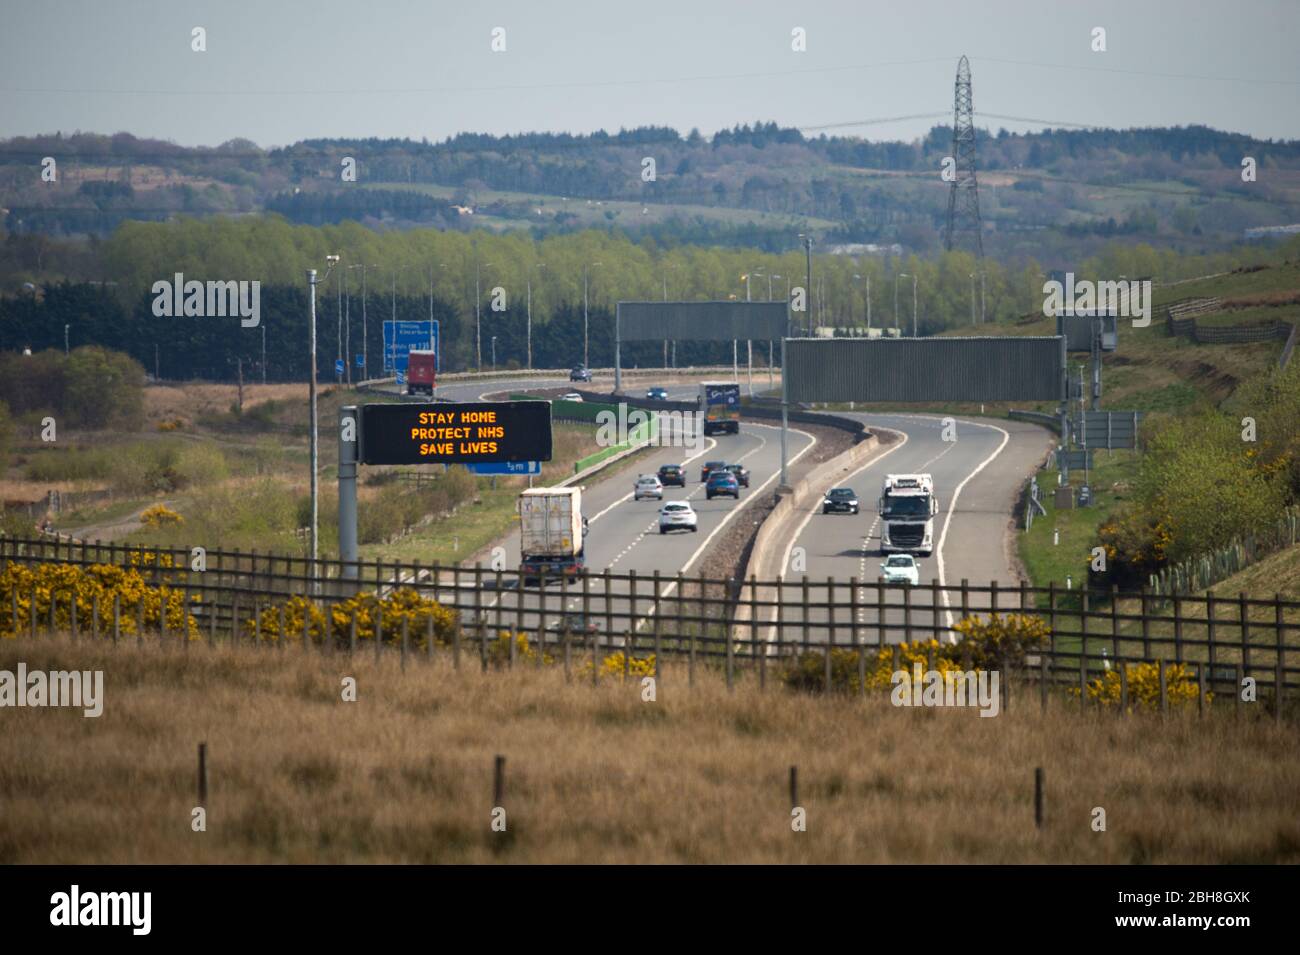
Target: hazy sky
{"x":276,"y":71}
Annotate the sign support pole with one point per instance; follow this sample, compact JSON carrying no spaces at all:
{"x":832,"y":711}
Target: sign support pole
{"x":349,"y":442}
{"x":785,"y":421}
{"x":618,"y":371}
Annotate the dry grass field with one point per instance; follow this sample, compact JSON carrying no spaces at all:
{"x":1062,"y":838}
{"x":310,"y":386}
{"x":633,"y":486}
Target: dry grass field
{"x":593,"y":774}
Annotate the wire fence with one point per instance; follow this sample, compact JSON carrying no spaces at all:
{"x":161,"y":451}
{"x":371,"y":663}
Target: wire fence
{"x":235,"y":596}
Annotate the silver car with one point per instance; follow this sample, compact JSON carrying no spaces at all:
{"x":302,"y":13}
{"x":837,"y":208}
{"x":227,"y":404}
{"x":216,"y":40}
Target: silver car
{"x":647,"y":485}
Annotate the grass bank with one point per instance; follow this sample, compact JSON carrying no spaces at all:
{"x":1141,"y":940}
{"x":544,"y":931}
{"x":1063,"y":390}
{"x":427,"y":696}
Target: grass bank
{"x":593,"y":774}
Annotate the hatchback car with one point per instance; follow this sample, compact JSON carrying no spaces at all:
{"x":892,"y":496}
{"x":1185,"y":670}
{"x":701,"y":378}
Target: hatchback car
{"x":708,"y":467}
{"x":647,"y":485}
{"x":842,"y":500}
{"x":573,"y":623}
{"x":580,"y":374}
{"x":657,"y":394}
{"x":677,"y":515}
{"x":672,"y":475}
{"x":721,"y":482}
{"x":901,"y":569}
{"x":741,"y":472}
{"x":570,"y":396}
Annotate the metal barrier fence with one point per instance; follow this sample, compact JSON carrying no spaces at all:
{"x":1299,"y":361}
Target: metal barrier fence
{"x":240,"y":596}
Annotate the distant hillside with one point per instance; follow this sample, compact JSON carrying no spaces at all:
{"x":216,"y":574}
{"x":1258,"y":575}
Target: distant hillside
{"x":1054,"y":194}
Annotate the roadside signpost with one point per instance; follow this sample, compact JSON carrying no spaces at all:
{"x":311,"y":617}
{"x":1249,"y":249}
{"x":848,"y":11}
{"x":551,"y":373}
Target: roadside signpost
{"x":491,"y":437}
{"x":400,"y":338}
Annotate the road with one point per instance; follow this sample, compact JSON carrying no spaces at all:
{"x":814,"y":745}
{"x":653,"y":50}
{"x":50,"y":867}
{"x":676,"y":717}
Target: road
{"x":977,"y":479}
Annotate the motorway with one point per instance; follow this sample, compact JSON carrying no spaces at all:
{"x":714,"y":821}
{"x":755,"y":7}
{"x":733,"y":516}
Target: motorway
{"x":977,"y":479}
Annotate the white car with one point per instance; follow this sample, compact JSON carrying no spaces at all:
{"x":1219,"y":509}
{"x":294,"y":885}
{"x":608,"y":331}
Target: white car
{"x":677,"y":515}
{"x":901,"y":569}
{"x":647,"y":485}
{"x":571,"y":396}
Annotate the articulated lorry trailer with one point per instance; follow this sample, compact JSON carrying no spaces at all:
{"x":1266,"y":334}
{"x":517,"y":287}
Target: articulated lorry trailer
{"x":720,"y":407}
{"x":551,"y":534}
{"x":907,"y":507}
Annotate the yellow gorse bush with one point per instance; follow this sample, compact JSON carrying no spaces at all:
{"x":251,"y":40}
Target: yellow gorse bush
{"x":160,"y":515}
{"x":808,"y":670}
{"x":33,"y":589}
{"x":1181,"y":687}
{"x":997,"y":640}
{"x":613,"y":665}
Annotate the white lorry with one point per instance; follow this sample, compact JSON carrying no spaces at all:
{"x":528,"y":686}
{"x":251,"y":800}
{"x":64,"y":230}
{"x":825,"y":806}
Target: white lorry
{"x":551,"y":534}
{"x":907,"y":507}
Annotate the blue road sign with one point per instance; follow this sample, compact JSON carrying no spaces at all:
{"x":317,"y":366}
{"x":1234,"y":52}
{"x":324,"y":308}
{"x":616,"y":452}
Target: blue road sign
{"x":401,"y":378}
{"x":401,"y":337}
{"x":338,"y":366}
{"x":361,"y":361}
{"x":508,"y":467}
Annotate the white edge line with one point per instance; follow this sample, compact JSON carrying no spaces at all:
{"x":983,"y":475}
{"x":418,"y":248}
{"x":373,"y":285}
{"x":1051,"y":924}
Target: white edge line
{"x":952,"y":505}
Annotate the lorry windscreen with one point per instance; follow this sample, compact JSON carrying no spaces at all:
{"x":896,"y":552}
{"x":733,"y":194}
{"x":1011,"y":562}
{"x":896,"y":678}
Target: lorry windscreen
{"x":907,"y":506}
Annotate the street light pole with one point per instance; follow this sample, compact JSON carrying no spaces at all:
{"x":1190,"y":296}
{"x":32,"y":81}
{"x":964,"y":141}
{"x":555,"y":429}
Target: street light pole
{"x":914,"y":335}
{"x":897,"y":276}
{"x":807,"y":297}
{"x":586,"y":360}
{"x":313,"y":428}
{"x":338,"y":298}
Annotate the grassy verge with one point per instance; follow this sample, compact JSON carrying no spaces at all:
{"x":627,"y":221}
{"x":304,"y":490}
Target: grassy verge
{"x":594,"y":774}
{"x":1048,"y":557}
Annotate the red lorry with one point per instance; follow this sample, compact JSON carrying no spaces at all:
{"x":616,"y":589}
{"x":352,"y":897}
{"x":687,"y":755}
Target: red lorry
{"x":420,"y":368}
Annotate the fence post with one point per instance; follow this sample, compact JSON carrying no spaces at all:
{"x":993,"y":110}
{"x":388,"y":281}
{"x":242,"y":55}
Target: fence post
{"x":72,"y":613}
{"x":117,"y":618}
{"x":1164,"y":698}
{"x":478,"y":616}
{"x":965,"y":598}
{"x":1244,"y":611}
{"x":1200,"y":689}
{"x":907,"y":615}
{"x":406,"y":635}
{"x":1042,"y":681}
{"x":1051,"y":608}
{"x":1146,"y":624}
{"x":1038,"y":797}
{"x":804,"y":615}
{"x":352,"y":633}
{"x":1210,"y":613}
{"x":831,"y":627}
{"x":203,"y":775}
{"x":857,"y":636}
{"x":658,"y":631}
{"x":94,"y":619}
{"x":1114,"y":619}
{"x":1279,"y":628}
{"x":379,"y":629}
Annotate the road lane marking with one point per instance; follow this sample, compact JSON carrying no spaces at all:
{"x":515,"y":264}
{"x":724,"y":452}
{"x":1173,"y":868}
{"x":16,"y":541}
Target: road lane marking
{"x":947,"y":521}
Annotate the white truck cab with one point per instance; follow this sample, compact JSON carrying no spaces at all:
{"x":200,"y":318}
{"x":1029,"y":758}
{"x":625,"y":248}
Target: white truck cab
{"x":907,"y":507}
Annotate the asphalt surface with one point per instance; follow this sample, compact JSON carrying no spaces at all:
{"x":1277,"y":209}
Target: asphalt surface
{"x":977,"y":479}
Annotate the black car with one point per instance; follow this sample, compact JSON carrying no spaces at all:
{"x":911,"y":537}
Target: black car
{"x":741,"y":472}
{"x":672,"y":475}
{"x":840,"y":499}
{"x":573,"y":623}
{"x":657,"y":394}
{"x":708,"y":466}
{"x":580,"y":374}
